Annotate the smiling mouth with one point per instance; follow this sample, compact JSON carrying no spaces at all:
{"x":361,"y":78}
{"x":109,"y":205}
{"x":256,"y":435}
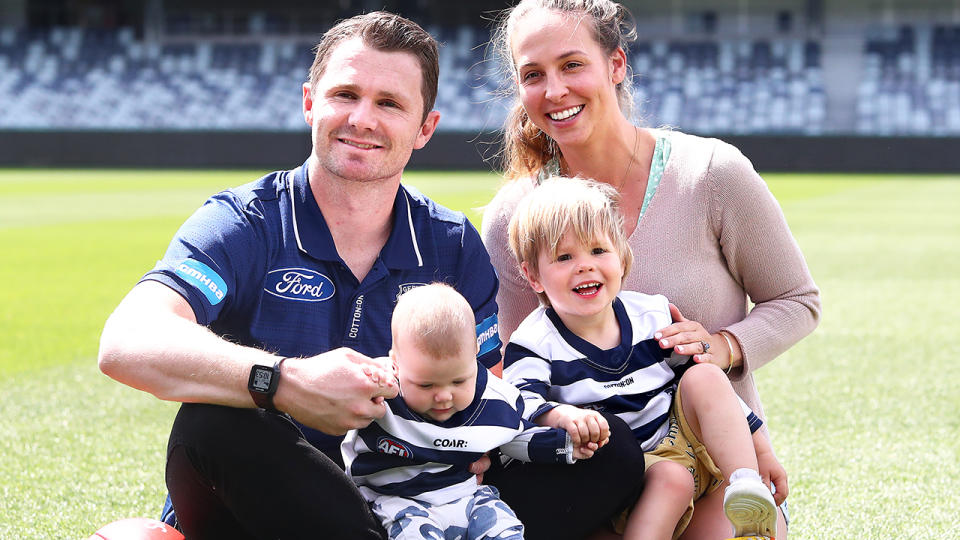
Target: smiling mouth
{"x":588,"y":289}
{"x":361,"y":146}
{"x":566,"y":113}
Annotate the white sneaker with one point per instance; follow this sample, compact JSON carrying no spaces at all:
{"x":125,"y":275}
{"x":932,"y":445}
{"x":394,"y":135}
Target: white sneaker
{"x":749,"y":506}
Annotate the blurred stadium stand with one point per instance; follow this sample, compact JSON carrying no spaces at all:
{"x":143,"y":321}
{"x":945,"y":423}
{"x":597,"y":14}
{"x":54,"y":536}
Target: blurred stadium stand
{"x":731,"y":86}
{"x":786,"y":69}
{"x":76,"y":78}
{"x":911,"y":81}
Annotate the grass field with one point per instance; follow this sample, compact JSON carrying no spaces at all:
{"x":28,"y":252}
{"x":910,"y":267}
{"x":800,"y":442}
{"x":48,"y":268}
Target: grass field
{"x":863,"y":412}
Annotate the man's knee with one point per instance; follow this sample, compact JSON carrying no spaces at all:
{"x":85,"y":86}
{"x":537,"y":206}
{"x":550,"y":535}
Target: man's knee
{"x":212,"y":429}
{"x":623,"y":450}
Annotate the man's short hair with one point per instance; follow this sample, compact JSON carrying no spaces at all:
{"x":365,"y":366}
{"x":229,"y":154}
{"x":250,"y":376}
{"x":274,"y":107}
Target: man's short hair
{"x":586,"y":208}
{"x":385,"y":32}
{"x":438,"y":320}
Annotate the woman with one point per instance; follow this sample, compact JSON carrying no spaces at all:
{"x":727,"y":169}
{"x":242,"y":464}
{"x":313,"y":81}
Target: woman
{"x":704,"y":228}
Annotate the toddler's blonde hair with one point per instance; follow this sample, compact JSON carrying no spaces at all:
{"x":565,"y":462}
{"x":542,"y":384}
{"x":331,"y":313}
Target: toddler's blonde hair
{"x":587,"y":208}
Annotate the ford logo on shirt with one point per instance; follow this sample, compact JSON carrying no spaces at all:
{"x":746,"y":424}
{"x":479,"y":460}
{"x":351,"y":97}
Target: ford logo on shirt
{"x":299,"y":284}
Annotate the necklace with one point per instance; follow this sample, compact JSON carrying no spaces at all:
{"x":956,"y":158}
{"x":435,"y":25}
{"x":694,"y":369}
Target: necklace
{"x":633,"y":157}
{"x":562,"y":168}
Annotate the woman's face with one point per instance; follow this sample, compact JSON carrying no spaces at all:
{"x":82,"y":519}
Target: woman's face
{"x":565,"y":80}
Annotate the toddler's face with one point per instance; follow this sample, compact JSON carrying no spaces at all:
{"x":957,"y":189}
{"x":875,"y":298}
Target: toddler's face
{"x":581,"y":280}
{"x":435,"y":388}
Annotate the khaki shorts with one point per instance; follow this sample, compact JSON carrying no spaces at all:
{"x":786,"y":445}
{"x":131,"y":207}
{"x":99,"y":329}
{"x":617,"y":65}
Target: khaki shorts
{"x":682,"y":446}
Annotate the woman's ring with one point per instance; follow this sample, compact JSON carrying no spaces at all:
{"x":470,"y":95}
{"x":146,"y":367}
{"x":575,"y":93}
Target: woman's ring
{"x":706,"y":346}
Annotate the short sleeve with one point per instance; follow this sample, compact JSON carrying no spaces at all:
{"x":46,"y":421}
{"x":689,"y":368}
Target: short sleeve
{"x":479,"y":285}
{"x":208,"y":254}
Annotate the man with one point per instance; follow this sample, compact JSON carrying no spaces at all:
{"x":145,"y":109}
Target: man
{"x":274,"y":300}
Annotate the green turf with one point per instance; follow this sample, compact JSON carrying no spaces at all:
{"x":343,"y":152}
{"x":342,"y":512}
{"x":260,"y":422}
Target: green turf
{"x":864,"y":411}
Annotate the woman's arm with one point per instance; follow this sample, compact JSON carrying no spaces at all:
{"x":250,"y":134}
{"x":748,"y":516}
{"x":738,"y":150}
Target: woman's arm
{"x":763,"y":256}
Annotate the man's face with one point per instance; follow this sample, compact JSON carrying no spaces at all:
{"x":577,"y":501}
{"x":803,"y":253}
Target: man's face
{"x":365,"y":113}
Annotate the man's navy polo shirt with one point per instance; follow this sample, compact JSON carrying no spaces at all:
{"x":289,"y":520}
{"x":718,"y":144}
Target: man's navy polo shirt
{"x":259,"y":267}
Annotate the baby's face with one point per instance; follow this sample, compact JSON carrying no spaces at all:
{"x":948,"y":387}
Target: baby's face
{"x":436,"y":388}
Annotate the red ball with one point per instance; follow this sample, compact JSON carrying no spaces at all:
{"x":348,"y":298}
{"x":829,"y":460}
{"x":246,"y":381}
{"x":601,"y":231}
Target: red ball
{"x":137,"y":529}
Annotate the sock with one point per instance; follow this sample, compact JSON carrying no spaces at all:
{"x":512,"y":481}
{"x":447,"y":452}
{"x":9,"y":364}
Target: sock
{"x":745,"y":474}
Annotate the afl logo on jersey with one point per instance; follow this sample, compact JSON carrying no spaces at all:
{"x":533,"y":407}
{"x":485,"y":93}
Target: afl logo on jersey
{"x":391,"y":447}
{"x":299,"y":284}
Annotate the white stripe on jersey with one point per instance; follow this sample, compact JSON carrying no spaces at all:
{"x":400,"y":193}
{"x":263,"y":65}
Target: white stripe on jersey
{"x":638,"y":381}
{"x":470,"y":438}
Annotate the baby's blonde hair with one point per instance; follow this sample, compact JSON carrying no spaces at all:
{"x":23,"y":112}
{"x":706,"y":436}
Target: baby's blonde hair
{"x":437,"y":318}
{"x":587,"y":208}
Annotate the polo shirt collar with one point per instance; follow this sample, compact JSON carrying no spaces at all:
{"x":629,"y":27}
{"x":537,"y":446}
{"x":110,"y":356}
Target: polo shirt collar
{"x":401,"y":251}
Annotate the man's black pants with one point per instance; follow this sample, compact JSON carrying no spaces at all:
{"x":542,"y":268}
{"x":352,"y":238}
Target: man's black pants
{"x":250,"y":474}
{"x":573,"y":501}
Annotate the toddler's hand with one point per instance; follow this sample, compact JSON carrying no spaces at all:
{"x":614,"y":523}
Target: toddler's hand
{"x":583,"y":425}
{"x":585,"y":451}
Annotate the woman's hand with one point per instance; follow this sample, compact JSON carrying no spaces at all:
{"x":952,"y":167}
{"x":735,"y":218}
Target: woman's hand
{"x":691,"y":338}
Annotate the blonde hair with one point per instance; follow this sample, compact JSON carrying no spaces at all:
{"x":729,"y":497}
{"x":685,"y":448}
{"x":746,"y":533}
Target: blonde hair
{"x":437,"y":318}
{"x":526,"y":149}
{"x":586,"y":208}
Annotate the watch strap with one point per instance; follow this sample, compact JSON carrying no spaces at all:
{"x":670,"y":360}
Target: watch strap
{"x":264,"y":400}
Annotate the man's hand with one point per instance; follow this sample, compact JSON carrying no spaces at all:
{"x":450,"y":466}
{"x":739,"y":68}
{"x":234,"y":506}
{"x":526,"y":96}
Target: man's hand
{"x":336,"y":391}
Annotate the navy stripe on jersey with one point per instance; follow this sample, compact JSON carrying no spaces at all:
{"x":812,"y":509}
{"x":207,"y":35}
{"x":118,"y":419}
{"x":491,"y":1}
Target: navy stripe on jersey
{"x":540,"y":445}
{"x":427,"y":482}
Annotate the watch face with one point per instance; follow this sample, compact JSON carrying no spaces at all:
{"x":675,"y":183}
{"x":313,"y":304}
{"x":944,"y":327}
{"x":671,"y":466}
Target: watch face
{"x":261,"y":379}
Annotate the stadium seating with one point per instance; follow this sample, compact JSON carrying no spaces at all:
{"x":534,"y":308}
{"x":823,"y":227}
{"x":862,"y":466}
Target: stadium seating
{"x":73,"y":78}
{"x":731,"y":86}
{"x":911,"y":81}
{"x":76,"y":79}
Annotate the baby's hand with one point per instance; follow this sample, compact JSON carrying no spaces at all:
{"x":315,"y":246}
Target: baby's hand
{"x":585,"y":427}
{"x":381,"y":371}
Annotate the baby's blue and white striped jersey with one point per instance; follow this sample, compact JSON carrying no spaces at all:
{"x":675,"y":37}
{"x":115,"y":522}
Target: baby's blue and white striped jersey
{"x":635,"y":380}
{"x":407,"y":455}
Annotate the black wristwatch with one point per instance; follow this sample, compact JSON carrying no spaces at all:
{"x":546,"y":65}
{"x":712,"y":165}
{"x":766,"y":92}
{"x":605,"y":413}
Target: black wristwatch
{"x":263,"y":384}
